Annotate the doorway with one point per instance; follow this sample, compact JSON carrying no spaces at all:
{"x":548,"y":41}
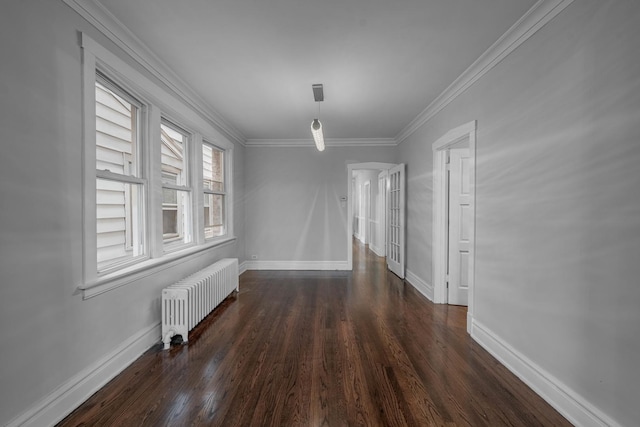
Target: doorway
{"x":375,"y":222}
{"x":366,"y":212}
{"x":454,"y":217}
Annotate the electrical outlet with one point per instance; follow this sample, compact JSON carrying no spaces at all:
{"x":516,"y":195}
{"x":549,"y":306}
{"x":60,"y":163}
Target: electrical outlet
{"x":254,"y":256}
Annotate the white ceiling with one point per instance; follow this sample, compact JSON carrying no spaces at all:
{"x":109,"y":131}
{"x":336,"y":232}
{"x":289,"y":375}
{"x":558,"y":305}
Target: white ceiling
{"x":382,"y":62}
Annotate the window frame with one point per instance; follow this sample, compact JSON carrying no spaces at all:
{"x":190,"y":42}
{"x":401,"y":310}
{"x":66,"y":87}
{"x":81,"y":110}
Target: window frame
{"x":184,"y":228}
{"x":139,"y":178}
{"x":223,"y":192}
{"x":157,"y":105}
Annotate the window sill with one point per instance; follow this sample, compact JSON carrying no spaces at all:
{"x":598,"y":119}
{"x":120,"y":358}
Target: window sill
{"x":145,"y":268}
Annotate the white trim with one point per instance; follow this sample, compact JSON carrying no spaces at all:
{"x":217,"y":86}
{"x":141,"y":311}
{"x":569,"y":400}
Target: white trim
{"x":332,"y":142}
{"x":454,"y":135}
{"x":539,"y":14}
{"x":154,"y":169}
{"x":565,"y":400}
{"x":243,"y":267}
{"x":63,"y":400}
{"x":176,"y":187}
{"x":421,"y":286}
{"x":147,"y":268}
{"x":376,"y":250}
{"x":371,"y":166}
{"x":105,"y":174}
{"x":89,"y":207}
{"x":197,"y":175}
{"x":98,"y":16}
{"x":439,"y":245}
{"x":296,"y":265}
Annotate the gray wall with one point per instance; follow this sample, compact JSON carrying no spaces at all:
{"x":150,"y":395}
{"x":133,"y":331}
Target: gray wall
{"x":558,"y":200}
{"x":48,"y":333}
{"x":293,"y":210}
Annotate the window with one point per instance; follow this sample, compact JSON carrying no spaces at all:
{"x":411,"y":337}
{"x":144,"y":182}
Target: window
{"x":176,"y":193}
{"x":142,"y":175}
{"x":214,"y":191}
{"x":119,"y":186}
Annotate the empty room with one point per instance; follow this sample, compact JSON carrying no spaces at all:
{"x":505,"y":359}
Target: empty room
{"x":320,"y":213}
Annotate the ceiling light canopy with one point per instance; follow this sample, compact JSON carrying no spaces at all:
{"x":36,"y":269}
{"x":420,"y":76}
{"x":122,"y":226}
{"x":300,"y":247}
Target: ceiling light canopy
{"x":318,"y":92}
{"x":316,"y":126}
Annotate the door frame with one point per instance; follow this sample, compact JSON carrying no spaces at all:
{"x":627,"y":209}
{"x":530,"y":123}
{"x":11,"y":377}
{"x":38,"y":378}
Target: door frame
{"x":439,"y":150}
{"x":350,"y":168}
{"x":366,"y":206}
{"x":381,"y":212}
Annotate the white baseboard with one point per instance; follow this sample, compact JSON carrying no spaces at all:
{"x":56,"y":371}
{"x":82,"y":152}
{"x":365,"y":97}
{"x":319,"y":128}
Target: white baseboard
{"x":566,"y":401}
{"x":297,"y":265}
{"x":62,"y":401}
{"x":376,"y":250}
{"x":243,"y":267}
{"x":423,"y":287}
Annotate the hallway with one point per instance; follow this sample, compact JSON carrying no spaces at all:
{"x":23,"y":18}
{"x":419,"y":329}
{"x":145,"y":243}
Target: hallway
{"x":315,"y":348}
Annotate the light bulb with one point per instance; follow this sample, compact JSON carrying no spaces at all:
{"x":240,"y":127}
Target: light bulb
{"x":316,"y":131}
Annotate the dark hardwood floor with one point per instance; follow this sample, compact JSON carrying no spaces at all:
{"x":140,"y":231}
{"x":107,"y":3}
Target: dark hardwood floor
{"x":321,"y":349}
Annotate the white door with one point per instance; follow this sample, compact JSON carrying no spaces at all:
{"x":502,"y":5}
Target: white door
{"x":382,"y":213}
{"x":459,"y":226}
{"x":395,"y":218}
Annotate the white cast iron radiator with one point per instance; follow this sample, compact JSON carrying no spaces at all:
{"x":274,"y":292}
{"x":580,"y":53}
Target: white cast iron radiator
{"x":187,"y":302}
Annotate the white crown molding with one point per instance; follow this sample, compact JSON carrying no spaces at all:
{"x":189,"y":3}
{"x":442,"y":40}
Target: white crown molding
{"x":115,"y":31}
{"x":332,"y":142}
{"x":564,"y":399}
{"x":539,"y":14}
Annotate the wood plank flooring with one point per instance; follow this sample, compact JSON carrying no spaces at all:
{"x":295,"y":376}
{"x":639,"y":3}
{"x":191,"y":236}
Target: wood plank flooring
{"x":321,"y":349}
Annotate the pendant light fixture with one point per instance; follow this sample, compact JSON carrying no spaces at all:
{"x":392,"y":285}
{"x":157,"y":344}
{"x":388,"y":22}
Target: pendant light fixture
{"x":316,"y":126}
